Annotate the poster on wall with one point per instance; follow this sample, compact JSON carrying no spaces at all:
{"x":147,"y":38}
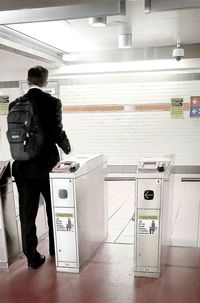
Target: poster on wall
{"x":195,"y":106}
{"x":177,"y":111}
{"x":4,"y":102}
{"x":52,"y":88}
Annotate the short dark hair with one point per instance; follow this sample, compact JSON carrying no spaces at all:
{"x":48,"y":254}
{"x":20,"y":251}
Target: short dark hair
{"x":37,"y":75}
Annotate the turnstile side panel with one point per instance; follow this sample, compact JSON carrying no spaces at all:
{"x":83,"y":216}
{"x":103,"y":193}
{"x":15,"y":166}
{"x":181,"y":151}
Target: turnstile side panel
{"x":10,"y":222}
{"x":146,"y":186}
{"x":91,"y":213}
{"x":63,"y":192}
{"x":147,"y":251}
{"x":3,"y":247}
{"x":11,"y":231}
{"x":65,"y":236}
{"x":147,"y":245}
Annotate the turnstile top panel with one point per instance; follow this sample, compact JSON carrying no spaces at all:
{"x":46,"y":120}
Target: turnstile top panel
{"x":87,"y":163}
{"x":153,"y":167}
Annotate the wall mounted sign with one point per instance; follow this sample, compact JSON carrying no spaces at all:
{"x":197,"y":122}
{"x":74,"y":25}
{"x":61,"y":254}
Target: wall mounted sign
{"x":177,"y":111}
{"x":4,"y":101}
{"x":195,"y":107}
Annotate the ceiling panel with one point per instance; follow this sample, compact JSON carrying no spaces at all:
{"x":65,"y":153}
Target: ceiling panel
{"x":14,"y":66}
{"x":161,"y":29}
{"x":59,"y":34}
{"x":148,"y":30}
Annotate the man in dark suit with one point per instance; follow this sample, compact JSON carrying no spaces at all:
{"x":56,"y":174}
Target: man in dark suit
{"x":32,"y":177}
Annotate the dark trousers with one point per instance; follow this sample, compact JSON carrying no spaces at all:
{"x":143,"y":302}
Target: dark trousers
{"x":29,"y":194}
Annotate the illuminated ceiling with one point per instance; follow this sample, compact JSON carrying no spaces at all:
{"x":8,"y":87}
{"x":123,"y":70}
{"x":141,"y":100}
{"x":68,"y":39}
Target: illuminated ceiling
{"x":154,"y":36}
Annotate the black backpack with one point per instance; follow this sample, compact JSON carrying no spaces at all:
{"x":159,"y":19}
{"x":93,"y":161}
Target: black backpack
{"x":24,"y":133}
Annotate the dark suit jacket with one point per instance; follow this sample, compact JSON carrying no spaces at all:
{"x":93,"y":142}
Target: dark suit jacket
{"x":49,"y":110}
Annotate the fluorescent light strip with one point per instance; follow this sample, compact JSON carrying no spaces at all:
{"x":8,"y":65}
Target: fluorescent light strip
{"x":136,"y":66}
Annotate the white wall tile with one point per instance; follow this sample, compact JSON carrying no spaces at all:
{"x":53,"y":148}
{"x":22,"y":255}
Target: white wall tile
{"x":127,"y":136}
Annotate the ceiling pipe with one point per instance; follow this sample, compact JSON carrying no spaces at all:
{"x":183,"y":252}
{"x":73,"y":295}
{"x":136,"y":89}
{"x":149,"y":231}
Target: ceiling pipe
{"x":160,"y":5}
{"x":98,"y":21}
{"x":125,"y":41}
{"x":35,"y":11}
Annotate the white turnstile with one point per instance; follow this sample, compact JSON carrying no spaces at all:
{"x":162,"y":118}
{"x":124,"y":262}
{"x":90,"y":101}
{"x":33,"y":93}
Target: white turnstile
{"x":9,"y":238}
{"x":10,"y":229}
{"x":79,"y":206}
{"x":153,"y":207}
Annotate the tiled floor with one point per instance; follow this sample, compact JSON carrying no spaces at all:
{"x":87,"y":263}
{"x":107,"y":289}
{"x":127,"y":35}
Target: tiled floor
{"x":108,"y":278}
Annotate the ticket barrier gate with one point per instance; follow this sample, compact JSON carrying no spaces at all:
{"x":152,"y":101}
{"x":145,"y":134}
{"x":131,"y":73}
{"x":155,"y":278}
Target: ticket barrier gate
{"x":153,"y":207}
{"x":79,"y":207}
{"x":9,"y":238}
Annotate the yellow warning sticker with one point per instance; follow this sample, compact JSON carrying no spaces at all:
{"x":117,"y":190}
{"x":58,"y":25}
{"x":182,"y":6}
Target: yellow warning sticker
{"x":64,"y":215}
{"x":145,"y":217}
{"x":148,"y":225}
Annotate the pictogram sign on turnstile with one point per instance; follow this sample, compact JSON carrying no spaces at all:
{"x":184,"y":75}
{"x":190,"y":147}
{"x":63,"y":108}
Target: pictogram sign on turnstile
{"x":148,"y":225}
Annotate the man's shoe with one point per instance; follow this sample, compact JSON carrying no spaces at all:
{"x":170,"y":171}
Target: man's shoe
{"x":40,"y":260}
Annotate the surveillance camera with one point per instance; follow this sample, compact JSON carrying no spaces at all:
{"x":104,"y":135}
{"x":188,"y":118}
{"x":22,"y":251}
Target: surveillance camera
{"x":178,"y":53}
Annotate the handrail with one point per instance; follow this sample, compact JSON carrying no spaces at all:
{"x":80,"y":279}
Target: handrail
{"x":190,"y":179}
{"x":119,"y":179}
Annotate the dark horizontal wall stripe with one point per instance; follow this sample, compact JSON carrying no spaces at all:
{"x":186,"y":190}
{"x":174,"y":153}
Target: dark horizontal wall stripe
{"x":127,"y":78}
{"x":126,"y":108}
{"x":127,"y":169}
{"x":9,"y":84}
{"x":150,"y":107}
{"x":93,"y":108}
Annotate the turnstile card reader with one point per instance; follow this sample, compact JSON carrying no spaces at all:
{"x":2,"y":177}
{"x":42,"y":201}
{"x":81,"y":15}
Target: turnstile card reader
{"x":66,"y":166}
{"x":152,"y":215}
{"x":147,"y":166}
{"x":79,"y":206}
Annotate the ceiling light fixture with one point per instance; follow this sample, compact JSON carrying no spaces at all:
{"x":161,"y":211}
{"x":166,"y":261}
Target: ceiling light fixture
{"x":162,"y":66}
{"x":178,"y":52}
{"x":98,"y":21}
{"x":125,"y":40}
